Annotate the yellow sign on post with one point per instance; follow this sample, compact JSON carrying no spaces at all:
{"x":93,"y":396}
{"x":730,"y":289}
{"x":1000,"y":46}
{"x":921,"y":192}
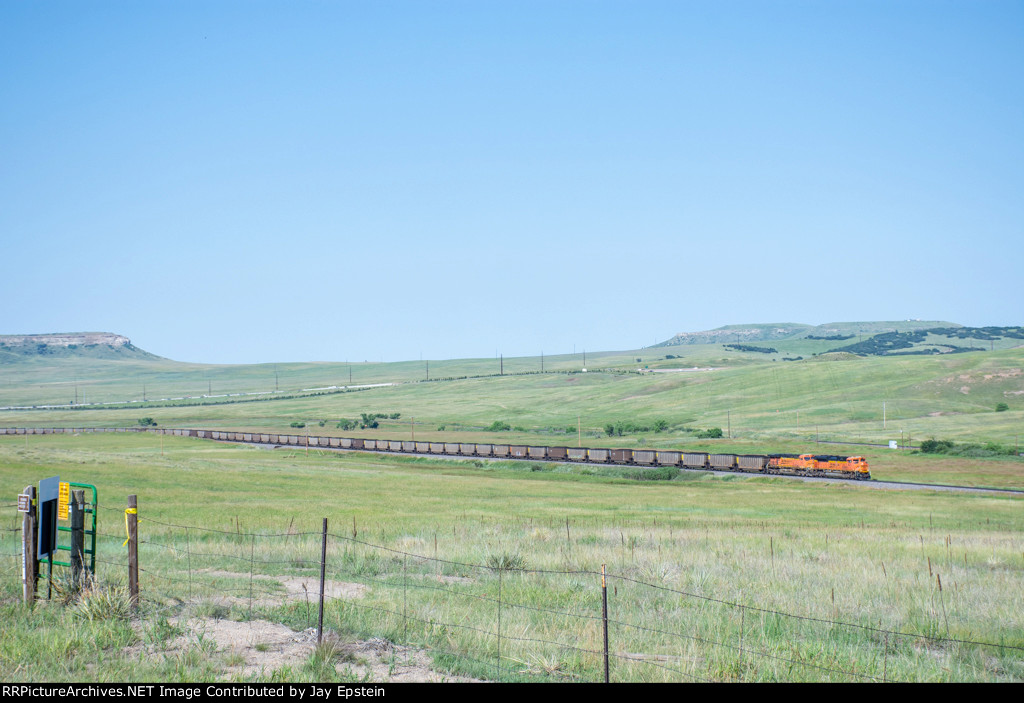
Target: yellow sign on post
{"x":63,"y":500}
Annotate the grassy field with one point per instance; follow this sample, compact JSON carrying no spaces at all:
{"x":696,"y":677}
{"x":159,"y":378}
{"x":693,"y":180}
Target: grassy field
{"x":952,"y":396}
{"x":765,"y":406}
{"x":490,"y":570}
{"x":751,"y":579}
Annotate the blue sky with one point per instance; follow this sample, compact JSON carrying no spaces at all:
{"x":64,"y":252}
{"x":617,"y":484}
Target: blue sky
{"x":253,"y":182}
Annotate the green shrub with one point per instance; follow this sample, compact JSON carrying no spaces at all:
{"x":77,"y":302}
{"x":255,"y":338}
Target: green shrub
{"x":945,"y":446}
{"x":147,"y":422}
{"x":499,"y":426}
{"x":623,"y":427}
{"x":713,"y":433}
{"x":936,"y":446}
{"x":1002,"y":407}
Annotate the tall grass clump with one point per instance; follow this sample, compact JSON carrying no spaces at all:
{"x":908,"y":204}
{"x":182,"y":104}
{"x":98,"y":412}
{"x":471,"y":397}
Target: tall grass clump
{"x":507,"y":561}
{"x":98,"y":600}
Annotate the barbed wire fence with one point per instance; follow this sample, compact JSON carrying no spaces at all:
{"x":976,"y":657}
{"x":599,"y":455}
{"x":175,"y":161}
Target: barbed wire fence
{"x":502,"y":621}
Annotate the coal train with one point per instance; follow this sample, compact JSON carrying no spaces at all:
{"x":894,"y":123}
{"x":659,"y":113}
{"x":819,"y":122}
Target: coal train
{"x":817,"y":465}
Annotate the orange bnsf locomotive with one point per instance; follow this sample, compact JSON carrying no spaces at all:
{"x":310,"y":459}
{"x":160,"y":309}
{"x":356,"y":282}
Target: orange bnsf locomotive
{"x":817,"y":465}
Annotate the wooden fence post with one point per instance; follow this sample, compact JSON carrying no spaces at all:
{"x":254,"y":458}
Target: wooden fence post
{"x":132,"y":524}
{"x":29,"y":567}
{"x":77,"y":536}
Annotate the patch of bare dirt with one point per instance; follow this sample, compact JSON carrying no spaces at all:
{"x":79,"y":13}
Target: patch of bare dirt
{"x":332,"y":589}
{"x":302,"y":586}
{"x":259,"y":647}
{"x":256,"y":647}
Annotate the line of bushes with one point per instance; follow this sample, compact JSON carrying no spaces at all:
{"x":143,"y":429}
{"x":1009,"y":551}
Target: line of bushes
{"x":968,"y":449}
{"x":751,"y":348}
{"x":366,"y":420}
{"x":624,"y":427}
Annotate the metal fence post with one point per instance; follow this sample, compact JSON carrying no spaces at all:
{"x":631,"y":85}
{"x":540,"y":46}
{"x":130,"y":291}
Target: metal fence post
{"x":604,"y":619}
{"x":323,"y":567}
{"x":499,"y":623}
{"x":252,"y":567}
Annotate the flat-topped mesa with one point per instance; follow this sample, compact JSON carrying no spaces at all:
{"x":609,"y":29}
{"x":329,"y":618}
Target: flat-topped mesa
{"x":73,"y":339}
{"x":737,"y":333}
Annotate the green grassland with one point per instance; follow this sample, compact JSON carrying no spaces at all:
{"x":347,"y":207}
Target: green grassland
{"x":711,"y":579}
{"x":766,"y":405}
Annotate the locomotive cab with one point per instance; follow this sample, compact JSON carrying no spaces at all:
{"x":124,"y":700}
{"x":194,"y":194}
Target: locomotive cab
{"x":858,"y":465}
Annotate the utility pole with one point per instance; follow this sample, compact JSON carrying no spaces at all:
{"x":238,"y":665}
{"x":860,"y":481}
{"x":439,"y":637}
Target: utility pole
{"x":883,"y":414}
{"x":579,"y":432}
{"x":501,"y":366}
{"x":729,"y":415}
{"x":428,"y":370}
{"x":541,"y":364}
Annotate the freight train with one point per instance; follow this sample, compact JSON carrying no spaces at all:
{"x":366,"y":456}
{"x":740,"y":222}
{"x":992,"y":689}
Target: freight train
{"x":818,"y":465}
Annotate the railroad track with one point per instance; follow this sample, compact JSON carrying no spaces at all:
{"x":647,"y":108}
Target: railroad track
{"x":335,"y":444}
{"x":871,"y":483}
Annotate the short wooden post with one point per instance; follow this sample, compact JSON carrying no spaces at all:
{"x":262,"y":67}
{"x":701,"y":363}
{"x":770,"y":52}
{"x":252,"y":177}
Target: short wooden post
{"x":29,"y":568}
{"x":77,"y":536}
{"x":132,"y":523}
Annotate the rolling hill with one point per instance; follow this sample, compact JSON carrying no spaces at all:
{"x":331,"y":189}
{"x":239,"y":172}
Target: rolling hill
{"x":795,"y":388}
{"x":791,"y":330}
